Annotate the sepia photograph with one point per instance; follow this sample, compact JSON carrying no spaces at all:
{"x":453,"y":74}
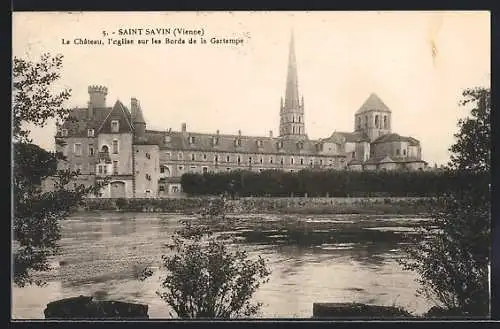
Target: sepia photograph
{"x":325,"y":165}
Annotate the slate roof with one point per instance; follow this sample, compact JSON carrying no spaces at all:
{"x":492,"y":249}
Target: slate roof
{"x":349,"y":137}
{"x":226,"y":143}
{"x":396,"y":138}
{"x":373,"y":102}
{"x":389,"y":159}
{"x":354,"y":162}
{"x":120,"y":113}
{"x":78,"y":121}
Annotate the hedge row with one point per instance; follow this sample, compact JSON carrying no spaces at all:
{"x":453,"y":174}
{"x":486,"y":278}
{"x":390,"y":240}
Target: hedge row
{"x":276,"y":183}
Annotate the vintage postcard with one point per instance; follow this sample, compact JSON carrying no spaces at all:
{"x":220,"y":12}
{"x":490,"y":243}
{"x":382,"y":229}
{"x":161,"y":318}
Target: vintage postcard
{"x":216,"y":165}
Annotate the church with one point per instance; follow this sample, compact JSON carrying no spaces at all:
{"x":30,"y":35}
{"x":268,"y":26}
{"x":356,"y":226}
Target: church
{"x":114,"y":142}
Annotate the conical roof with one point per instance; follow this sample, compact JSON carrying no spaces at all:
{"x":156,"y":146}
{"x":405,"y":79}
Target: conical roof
{"x":373,"y":103}
{"x":139,"y":117}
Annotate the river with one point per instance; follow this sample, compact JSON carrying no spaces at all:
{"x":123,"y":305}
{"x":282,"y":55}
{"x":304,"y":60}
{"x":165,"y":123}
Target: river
{"x":352,"y":258}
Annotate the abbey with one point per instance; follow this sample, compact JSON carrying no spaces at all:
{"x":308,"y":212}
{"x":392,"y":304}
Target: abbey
{"x":113,"y":142}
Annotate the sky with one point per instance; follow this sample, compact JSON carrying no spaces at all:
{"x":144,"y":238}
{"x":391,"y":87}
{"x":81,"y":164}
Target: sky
{"x":418,"y":63}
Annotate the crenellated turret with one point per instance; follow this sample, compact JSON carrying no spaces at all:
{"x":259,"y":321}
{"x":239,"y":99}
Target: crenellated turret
{"x":97,"y":99}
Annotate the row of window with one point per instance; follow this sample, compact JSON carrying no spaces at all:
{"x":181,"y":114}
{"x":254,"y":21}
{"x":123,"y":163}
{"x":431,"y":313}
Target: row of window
{"x":115,"y":127}
{"x":250,"y":160}
{"x":260,"y":143}
{"x":398,"y":152}
{"x":297,"y":119}
{"x":77,"y":148}
{"x":378,"y":124}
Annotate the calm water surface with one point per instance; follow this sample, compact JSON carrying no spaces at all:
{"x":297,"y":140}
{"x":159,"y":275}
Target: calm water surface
{"x":103,"y":253}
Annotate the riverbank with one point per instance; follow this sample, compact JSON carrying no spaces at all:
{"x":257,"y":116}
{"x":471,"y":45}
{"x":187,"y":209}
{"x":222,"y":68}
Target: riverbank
{"x":297,"y":205}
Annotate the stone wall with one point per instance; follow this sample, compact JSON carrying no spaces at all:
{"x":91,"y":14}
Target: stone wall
{"x":268,"y":205}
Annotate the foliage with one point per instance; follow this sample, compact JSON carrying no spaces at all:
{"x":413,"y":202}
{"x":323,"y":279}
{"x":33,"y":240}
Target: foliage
{"x":472,"y":150}
{"x":36,"y":215}
{"x":453,"y":260}
{"x":34,"y":101}
{"x":327,"y":183}
{"x":204,"y":278}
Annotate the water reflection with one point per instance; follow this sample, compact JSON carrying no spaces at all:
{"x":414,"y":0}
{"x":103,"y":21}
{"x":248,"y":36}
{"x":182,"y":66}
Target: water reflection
{"x":338,"y":260}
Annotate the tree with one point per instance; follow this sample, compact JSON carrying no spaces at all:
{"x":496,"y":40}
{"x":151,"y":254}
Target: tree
{"x":204,"y":279}
{"x":472,"y":151}
{"x":452,"y":262}
{"x":36,"y":230}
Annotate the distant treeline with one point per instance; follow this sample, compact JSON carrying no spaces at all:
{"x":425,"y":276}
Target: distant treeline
{"x":274,"y":183}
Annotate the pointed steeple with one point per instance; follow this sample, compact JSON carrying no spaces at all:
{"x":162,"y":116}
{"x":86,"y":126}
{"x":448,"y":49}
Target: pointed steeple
{"x":292,"y":108}
{"x":292,"y":82}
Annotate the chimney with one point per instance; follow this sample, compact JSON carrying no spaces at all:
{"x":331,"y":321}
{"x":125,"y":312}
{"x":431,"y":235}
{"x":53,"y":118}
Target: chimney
{"x":183,"y":127}
{"x":217,"y":132}
{"x":97,"y":95}
{"x":134,"y":105}
{"x":239,"y":132}
{"x":271,"y":133}
{"x":167,"y":137}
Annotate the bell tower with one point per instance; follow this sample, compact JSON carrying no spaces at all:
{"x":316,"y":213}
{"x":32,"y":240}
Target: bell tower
{"x":292,"y":107}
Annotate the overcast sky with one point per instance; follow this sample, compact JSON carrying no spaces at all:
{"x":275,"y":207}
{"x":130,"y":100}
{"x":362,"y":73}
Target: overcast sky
{"x":341,"y":56}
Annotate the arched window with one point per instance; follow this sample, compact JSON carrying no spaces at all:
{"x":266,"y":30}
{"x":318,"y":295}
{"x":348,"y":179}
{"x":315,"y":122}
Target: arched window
{"x":385,"y":122}
{"x":359,"y":122}
{"x":376,"y":122}
{"x":105,"y":149}
{"x":299,"y":119}
{"x":366,"y":121}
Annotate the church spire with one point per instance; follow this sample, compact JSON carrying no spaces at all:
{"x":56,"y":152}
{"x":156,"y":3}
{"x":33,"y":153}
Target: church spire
{"x":292,"y":83}
{"x":292,"y":109}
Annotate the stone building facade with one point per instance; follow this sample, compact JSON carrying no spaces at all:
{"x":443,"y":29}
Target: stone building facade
{"x":113,"y":142}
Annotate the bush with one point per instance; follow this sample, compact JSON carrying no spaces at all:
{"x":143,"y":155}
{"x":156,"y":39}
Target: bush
{"x":327,"y":183}
{"x":204,"y":279}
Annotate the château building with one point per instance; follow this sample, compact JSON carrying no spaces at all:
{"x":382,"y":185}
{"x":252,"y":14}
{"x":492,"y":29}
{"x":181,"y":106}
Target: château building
{"x":113,"y":142}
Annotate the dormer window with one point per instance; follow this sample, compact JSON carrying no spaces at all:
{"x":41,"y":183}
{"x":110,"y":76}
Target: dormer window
{"x":280,"y":144}
{"x":115,"y":126}
{"x":215,"y":140}
{"x":90,"y":132}
{"x":191,"y":139}
{"x":237,"y":142}
{"x":64,"y":132}
{"x":300,"y":145}
{"x":259,"y":143}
